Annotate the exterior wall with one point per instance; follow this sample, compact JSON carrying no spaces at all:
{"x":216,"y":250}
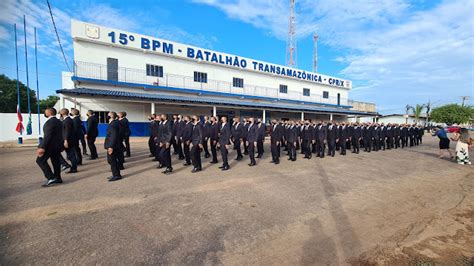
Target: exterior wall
{"x":399,"y":119}
{"x":175,"y":67}
{"x":9,"y":122}
{"x":362,"y":106}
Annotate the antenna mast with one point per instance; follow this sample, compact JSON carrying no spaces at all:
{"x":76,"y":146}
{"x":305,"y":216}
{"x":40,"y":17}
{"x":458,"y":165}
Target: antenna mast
{"x":291,"y":42}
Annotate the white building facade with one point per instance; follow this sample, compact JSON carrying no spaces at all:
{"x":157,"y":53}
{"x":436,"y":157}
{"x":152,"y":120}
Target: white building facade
{"x":115,"y":70}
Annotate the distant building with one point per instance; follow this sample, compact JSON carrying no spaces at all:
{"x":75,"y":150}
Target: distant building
{"x":402,"y":119}
{"x":115,"y":70}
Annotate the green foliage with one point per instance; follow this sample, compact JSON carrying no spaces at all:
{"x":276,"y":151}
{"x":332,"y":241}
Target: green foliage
{"x":8,"y":96}
{"x":417,"y":110}
{"x":48,"y":102}
{"x":452,"y":114}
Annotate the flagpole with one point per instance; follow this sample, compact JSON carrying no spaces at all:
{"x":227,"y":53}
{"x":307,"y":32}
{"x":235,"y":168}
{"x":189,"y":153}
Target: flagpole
{"x":28,"y":126}
{"x":40,"y":138}
{"x":18,"y":110}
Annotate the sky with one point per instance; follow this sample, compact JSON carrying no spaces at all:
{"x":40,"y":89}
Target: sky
{"x":396,"y":52}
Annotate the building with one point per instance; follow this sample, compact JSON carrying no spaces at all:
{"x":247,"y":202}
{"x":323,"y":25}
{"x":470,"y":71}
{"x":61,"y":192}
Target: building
{"x":115,"y":70}
{"x":402,"y":119}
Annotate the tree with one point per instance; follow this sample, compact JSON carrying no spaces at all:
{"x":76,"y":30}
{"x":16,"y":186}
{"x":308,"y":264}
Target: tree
{"x":452,"y":114}
{"x":48,"y":102}
{"x":417,"y":110}
{"x":8,"y":96}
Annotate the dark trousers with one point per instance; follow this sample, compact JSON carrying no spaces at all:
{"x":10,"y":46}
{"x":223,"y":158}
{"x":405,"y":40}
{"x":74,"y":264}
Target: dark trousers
{"x":397,"y":142}
{"x":186,"y":153}
{"x":251,"y":151}
{"x":313,"y":147}
{"x":78,"y":153}
{"x":165,"y":156}
{"x":260,"y":148}
{"x":244,"y":142}
{"x":343,"y":146}
{"x":420,"y":139}
{"x":382,"y":143}
{"x":214,"y":150}
{"x":151,"y":145}
{"x":120,"y":156}
{"x":376,"y":144}
{"x":367,"y":146}
{"x":355,"y":145}
{"x":206,"y":148}
{"x":275,"y":149}
{"x":224,"y":153}
{"x":292,"y":150}
{"x":71,"y":155}
{"x":83,"y":143}
{"x":196,"y":159}
{"x":55,"y":161}
{"x":157,"y":152}
{"x":412,"y":141}
{"x":331,"y":148}
{"x":237,"y":148}
{"x":320,"y":148}
{"x":174,"y":143}
{"x":92,"y":147}
{"x":113,"y":160}
{"x":306,"y":147}
{"x":126,"y":140}
{"x":404,"y":142}
{"x":179,"y":149}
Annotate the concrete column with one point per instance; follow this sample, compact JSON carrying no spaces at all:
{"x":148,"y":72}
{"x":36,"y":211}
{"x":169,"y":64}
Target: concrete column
{"x":61,"y":102}
{"x":263,"y":116}
{"x":214,"y":111}
{"x":302,"y":116}
{"x":152,"y":108}
{"x":330,"y":117}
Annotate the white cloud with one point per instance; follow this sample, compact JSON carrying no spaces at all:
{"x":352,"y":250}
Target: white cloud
{"x":395,"y":54}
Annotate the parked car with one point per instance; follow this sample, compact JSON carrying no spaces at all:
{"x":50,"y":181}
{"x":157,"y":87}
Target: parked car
{"x":453,"y":129}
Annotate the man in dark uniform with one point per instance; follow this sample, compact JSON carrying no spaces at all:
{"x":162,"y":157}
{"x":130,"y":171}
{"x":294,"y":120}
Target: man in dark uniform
{"x":125,"y":124}
{"x":421,"y":132}
{"x":261,"y":130}
{"x":251,"y":140}
{"x":122,"y":129}
{"x":321,"y":135}
{"x":307,"y":136}
{"x":179,"y":133}
{"x":237,"y":132}
{"x":396,"y":136}
{"x":197,"y":137}
{"x":382,"y":137}
{"x":292,"y":139}
{"x":174,"y":130}
{"x":275,"y":141}
{"x":70,"y":140}
{"x":343,"y":138}
{"x":186,"y":139}
{"x":389,"y":136}
{"x":214,"y":138}
{"x":156,"y":138}
{"x":113,"y":146}
{"x":165,"y":144}
{"x":245,"y":131}
{"x":375,"y":136}
{"x":224,"y":142}
{"x":92,"y":133}
{"x":367,"y":137}
{"x":331,"y":138}
{"x":206,"y":127}
{"x":50,"y":148}
{"x":356,"y":137}
{"x":79,"y":133}
{"x":404,"y":136}
{"x":151,"y":139}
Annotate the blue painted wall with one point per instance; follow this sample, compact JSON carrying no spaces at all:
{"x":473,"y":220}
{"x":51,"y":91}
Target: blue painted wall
{"x":139,"y":129}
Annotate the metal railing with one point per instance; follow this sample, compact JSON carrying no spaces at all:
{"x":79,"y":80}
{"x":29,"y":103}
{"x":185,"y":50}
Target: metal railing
{"x":131,"y":75}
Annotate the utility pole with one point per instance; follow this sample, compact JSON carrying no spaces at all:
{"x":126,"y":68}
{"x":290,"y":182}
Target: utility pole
{"x":464,"y":98}
{"x":291,"y":42}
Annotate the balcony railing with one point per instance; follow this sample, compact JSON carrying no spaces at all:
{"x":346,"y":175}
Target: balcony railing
{"x":131,"y":75}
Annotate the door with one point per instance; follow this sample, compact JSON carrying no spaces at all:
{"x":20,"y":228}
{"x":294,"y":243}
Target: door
{"x":112,"y":69}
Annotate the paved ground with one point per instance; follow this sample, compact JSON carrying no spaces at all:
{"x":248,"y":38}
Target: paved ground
{"x":388,"y":207}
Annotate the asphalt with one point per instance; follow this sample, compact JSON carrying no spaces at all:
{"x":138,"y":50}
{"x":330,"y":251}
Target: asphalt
{"x":397,"y":206}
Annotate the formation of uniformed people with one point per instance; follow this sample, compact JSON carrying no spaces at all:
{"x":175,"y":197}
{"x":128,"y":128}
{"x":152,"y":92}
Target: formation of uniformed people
{"x":189,"y":137}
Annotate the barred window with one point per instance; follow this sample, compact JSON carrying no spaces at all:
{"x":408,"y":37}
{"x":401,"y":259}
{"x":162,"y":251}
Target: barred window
{"x":326,"y":94}
{"x":238,"y":82}
{"x":306,"y":92}
{"x":283,"y":88}
{"x":154,"y":70}
{"x":200,"y":77}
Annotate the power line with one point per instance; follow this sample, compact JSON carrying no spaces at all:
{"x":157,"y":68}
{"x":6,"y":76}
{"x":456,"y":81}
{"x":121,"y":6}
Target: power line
{"x":57,"y":35}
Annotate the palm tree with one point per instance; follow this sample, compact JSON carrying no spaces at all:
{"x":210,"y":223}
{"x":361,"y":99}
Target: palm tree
{"x":417,"y":110}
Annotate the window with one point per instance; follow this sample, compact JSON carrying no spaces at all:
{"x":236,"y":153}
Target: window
{"x":112,"y":69}
{"x":154,"y":71}
{"x":238,"y":82}
{"x":306,"y":92}
{"x":283,"y":88}
{"x":200,"y":77}
{"x":102,"y":116}
{"x":325,"y":94}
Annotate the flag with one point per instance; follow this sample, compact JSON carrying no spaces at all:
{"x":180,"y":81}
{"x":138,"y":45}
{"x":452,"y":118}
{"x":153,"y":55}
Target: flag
{"x":19,"y":126}
{"x":29,"y":130}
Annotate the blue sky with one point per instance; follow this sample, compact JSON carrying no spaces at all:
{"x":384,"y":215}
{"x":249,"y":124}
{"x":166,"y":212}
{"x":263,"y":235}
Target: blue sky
{"x":396,"y":52}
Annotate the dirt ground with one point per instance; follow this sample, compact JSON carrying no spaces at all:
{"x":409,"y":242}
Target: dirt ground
{"x":379,"y":208}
